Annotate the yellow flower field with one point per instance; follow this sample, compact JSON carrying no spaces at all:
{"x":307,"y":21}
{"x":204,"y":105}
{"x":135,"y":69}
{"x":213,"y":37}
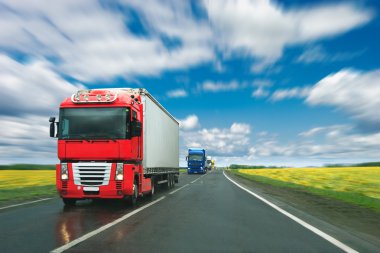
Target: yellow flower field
{"x":13,"y":179}
{"x":361,"y":180}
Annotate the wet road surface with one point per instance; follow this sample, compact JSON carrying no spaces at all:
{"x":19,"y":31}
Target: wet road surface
{"x":206,"y":215}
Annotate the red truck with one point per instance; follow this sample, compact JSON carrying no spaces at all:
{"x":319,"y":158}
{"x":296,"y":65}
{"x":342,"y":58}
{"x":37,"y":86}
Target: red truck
{"x":114,"y":144}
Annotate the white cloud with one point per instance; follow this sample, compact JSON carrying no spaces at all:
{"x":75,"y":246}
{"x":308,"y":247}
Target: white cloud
{"x":31,"y":88}
{"x":240,"y":128}
{"x":296,"y":92}
{"x":233,"y":141}
{"x":332,"y":131}
{"x":355,"y":92}
{"x":178,"y":93}
{"x":262,"y":29}
{"x":26,"y":139}
{"x":30,"y":93}
{"x":319,"y":54}
{"x":220,"y":86}
{"x":260,"y":93}
{"x":90,"y":40}
{"x":189,"y":123}
{"x":334,"y":143}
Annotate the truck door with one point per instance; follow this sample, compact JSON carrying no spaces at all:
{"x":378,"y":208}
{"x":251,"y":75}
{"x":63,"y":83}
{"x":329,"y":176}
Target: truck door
{"x":135,"y":139}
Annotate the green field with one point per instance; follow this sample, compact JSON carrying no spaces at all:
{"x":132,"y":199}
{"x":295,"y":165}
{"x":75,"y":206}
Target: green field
{"x":16,"y":185}
{"x":355,"y":185}
{"x":27,"y":167}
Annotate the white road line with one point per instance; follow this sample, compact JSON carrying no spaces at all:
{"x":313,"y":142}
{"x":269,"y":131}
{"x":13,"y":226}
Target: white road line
{"x":197,"y":179}
{"x":325,"y":236}
{"x":101,"y":229}
{"x":25,"y":203}
{"x":194,"y":180}
{"x":178,"y":189}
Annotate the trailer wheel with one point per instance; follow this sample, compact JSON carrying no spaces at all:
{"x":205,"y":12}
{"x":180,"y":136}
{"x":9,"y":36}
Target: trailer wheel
{"x":153,"y":188}
{"x":171,"y":181}
{"x":175,"y":179}
{"x":69,"y":202}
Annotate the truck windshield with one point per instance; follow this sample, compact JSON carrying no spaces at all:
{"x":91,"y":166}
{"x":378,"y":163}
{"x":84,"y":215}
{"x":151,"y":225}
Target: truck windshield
{"x":94,"y":123}
{"x":195,"y":157}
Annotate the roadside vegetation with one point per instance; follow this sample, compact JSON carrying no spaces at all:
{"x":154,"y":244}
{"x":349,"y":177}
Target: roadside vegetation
{"x":27,"y":167}
{"x":23,"y":184}
{"x":356,"y":185}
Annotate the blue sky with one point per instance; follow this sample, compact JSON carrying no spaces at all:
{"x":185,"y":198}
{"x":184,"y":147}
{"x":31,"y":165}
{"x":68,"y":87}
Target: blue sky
{"x":292,"y":83}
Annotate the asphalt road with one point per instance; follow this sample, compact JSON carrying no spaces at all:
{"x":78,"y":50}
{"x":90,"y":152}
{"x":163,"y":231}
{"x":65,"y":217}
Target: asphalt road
{"x":209,"y":214}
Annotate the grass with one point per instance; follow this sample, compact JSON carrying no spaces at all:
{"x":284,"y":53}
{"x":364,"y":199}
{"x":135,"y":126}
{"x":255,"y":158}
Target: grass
{"x":356,"y":185}
{"x":26,"y":184}
{"x":27,"y":167}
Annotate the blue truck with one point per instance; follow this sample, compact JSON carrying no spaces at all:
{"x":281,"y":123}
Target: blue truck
{"x":196,"y":161}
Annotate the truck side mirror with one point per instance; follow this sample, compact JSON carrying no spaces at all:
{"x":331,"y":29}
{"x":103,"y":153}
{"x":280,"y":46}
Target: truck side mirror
{"x":136,"y":128}
{"x":187,"y":158}
{"x":52,"y":126}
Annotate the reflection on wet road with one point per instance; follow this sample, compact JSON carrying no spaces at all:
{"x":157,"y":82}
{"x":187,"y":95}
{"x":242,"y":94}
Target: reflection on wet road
{"x":44,"y":226}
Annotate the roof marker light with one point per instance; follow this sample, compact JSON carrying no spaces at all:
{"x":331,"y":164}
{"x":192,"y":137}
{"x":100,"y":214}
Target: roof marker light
{"x":86,"y":97}
{"x":108,"y":96}
{"x":99,"y":97}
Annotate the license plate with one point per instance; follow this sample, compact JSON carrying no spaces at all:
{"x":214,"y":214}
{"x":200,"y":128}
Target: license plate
{"x":91,"y":189}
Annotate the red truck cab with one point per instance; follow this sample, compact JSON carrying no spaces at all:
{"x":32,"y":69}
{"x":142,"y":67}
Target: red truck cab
{"x":100,"y":146}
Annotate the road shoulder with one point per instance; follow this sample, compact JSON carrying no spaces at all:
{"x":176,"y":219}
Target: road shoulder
{"x":350,"y":223}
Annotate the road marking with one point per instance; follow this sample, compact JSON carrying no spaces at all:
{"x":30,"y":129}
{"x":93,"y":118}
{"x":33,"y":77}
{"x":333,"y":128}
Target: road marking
{"x":178,"y":189}
{"x":101,"y":229}
{"x":325,"y":236}
{"x":25,"y":203}
{"x":194,"y":180}
{"x":197,"y":179}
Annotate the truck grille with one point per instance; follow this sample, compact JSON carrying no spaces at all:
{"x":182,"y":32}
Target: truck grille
{"x":91,"y":174}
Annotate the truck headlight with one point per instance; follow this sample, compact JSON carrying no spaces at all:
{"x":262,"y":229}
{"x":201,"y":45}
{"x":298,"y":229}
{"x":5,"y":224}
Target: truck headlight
{"x":119,"y":171}
{"x":64,"y":172}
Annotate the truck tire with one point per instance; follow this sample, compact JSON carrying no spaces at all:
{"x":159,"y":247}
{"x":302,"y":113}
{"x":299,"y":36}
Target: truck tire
{"x":69,"y":202}
{"x":153,"y":188}
{"x":171,"y":181}
{"x":176,"y":179}
{"x":132,"y":200}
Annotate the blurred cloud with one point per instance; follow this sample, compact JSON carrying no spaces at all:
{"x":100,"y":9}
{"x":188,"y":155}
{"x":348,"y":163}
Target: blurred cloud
{"x":297,"y":92}
{"x":89,"y":40}
{"x":355,"y":92}
{"x":319,"y":54}
{"x":334,"y":142}
{"x":262,"y":28}
{"x":178,"y":93}
{"x":31,"y":87}
{"x":212,"y":86}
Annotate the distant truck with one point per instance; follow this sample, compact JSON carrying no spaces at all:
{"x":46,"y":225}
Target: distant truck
{"x":208,"y":162}
{"x":114,"y":144}
{"x":196,"y":161}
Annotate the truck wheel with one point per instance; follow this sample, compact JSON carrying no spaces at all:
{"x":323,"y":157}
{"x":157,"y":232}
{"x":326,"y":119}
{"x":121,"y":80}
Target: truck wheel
{"x":69,"y":202}
{"x":133,"y":199}
{"x":153,"y":188}
{"x":171,"y":180}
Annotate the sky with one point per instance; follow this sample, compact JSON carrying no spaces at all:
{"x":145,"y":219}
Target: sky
{"x":285,"y":83}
